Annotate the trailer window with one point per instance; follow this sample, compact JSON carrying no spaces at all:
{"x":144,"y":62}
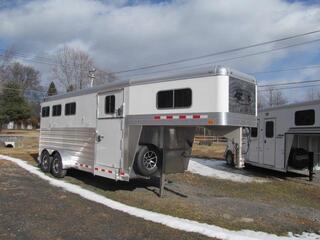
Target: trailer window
{"x":110,"y":104}
{"x":179,"y":98}
{"x":165,"y":99}
{"x":269,"y":129}
{"x":305,"y":117}
{"x":45,"y":112}
{"x":182,"y":98}
{"x":254,"y":132}
{"x":56,"y":110}
{"x":70,"y":109}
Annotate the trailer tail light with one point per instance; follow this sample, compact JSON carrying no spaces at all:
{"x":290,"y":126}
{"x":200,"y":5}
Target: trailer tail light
{"x":121,"y":172}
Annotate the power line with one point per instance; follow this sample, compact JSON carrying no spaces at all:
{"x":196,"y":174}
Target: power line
{"x":289,"y":83}
{"x":286,"y":88}
{"x":217,"y":53}
{"x":286,"y":69}
{"x":34,"y":61}
{"x":22,"y":90}
{"x":196,"y":66}
{"x":186,"y":59}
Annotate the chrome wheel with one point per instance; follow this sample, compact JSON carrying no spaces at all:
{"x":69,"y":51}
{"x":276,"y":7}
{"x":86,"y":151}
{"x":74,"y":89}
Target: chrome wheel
{"x":55,"y":165}
{"x":150,"y":160}
{"x":46,"y":161}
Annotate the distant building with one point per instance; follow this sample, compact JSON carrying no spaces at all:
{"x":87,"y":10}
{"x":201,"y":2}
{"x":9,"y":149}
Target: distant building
{"x":21,"y":125}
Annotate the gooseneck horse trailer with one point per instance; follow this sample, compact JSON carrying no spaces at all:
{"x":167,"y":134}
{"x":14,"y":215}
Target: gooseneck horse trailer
{"x":287,"y":138}
{"x":129,"y":129}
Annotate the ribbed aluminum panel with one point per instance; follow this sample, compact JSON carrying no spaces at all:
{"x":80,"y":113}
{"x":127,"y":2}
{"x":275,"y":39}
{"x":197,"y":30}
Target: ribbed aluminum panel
{"x":78,"y":143}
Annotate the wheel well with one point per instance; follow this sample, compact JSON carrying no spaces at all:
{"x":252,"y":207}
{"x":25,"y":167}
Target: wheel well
{"x":43,"y":151}
{"x":54,"y":152}
{"x":150,"y":145}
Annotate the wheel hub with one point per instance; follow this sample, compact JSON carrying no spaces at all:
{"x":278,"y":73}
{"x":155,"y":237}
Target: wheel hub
{"x":45,"y":161}
{"x":150,"y":160}
{"x":55,"y":165}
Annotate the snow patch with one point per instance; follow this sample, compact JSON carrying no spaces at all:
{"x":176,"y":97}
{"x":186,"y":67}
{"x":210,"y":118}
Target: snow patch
{"x":170,"y":221}
{"x":218,"y":169}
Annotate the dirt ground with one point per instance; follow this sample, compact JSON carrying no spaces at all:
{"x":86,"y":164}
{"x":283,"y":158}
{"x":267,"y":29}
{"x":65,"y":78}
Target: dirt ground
{"x":32,"y":209}
{"x":285,"y":203}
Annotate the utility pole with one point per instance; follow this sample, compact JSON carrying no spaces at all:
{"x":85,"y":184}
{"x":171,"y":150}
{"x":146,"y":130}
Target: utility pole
{"x":92,"y":76}
{"x":270,"y":97}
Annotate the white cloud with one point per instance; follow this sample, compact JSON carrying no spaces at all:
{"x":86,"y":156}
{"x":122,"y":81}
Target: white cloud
{"x":119,"y":36}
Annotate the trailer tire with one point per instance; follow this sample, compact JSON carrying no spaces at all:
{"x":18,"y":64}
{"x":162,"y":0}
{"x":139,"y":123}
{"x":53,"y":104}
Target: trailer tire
{"x":56,"y":166}
{"x":45,"y":161}
{"x":147,"y":160}
{"x":230,"y":158}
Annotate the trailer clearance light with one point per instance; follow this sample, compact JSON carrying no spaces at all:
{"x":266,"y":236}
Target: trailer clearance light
{"x":121,"y":172}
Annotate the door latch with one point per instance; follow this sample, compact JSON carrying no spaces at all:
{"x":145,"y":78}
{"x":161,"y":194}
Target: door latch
{"x":99,"y":138}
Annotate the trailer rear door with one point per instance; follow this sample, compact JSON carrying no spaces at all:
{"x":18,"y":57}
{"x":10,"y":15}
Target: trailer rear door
{"x":109,"y":129}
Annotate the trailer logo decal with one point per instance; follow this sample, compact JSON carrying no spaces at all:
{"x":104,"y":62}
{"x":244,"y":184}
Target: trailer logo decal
{"x":243,"y":96}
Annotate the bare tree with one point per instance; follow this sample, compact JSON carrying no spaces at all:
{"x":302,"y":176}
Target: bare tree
{"x":271,"y":97}
{"x":25,"y":76}
{"x":312,"y":94}
{"x":72,"y":67}
{"x":278,"y":99}
{"x":103,"y":77}
{"x":262,"y":101}
{"x":5,"y":60}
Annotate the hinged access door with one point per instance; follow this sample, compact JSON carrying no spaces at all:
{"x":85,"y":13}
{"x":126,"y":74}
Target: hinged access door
{"x":109,"y":129}
{"x":269,"y":142}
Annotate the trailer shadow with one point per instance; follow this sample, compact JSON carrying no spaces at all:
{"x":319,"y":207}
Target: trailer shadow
{"x":268,"y":173}
{"x":112,"y":185}
{"x":219,"y":169}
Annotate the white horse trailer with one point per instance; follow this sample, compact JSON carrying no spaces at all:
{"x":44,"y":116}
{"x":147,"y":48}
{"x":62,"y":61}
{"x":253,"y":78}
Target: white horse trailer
{"x":124,"y":130}
{"x":287,"y":138}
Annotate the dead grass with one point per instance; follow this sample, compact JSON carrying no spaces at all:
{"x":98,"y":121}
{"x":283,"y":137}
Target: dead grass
{"x":25,"y":133}
{"x":207,"y":198}
{"x":29,"y":140}
{"x":215,"y":150}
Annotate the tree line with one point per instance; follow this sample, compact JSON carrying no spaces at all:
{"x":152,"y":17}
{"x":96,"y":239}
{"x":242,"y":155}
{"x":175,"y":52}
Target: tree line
{"x":21,"y":90}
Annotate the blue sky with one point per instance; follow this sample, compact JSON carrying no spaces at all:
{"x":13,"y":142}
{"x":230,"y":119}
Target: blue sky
{"x":124,"y":34}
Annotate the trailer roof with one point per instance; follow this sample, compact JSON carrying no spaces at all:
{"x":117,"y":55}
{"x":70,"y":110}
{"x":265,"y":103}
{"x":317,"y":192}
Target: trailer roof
{"x":215,"y":70}
{"x":292,"y":105}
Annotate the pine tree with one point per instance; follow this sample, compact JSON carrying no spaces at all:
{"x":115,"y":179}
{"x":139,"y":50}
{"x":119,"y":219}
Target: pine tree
{"x":13,"y":105}
{"x":52,"y":90}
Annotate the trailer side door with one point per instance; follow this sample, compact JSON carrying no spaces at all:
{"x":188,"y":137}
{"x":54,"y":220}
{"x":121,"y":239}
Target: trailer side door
{"x":109,"y":130}
{"x":269,"y":142}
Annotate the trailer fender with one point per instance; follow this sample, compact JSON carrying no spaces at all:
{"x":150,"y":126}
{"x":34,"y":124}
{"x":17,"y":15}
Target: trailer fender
{"x":67,"y":159}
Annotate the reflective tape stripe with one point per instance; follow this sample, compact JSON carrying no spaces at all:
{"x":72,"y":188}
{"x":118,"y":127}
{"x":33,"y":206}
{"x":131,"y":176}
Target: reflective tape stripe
{"x":90,"y":167}
{"x":180,"y":117}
